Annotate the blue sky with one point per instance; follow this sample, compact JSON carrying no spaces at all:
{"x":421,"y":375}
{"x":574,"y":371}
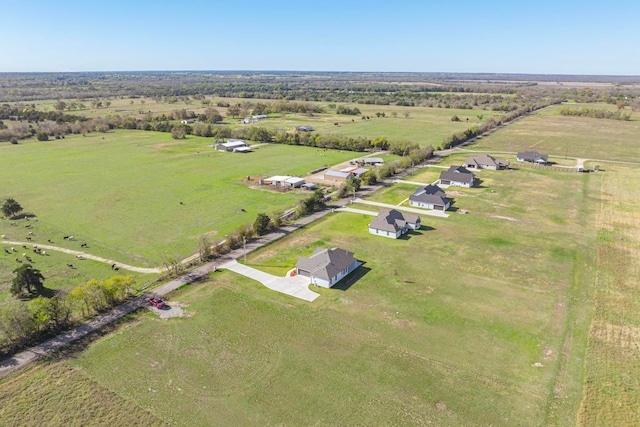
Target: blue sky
{"x":546,"y":37}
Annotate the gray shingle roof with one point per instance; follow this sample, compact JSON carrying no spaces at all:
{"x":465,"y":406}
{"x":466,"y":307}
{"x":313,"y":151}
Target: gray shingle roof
{"x":532,"y":156}
{"x":484,"y":160}
{"x":457,"y":174}
{"x":431,"y":194}
{"x":326,"y":263}
{"x":393,"y":220}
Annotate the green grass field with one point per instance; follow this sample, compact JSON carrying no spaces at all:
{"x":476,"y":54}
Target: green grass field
{"x":550,"y":133}
{"x":444,"y":327}
{"x":612,"y":385}
{"x":424,"y":125}
{"x":120,"y":192}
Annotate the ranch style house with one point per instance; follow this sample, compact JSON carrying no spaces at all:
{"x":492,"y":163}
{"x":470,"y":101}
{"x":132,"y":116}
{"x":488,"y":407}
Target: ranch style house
{"x":532,"y":157}
{"x":393,"y":224}
{"x":326,"y":267}
{"x":430,"y":197}
{"x":485,"y":161}
{"x":457,"y":176}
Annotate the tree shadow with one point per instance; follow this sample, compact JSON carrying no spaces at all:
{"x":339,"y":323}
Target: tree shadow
{"x":352,"y":278}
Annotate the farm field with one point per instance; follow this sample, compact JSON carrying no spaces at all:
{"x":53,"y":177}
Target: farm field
{"x":455,"y":325}
{"x":424,"y":125}
{"x":137,"y":197}
{"x":550,"y":133}
{"x":612,"y":384}
{"x":66,"y":398}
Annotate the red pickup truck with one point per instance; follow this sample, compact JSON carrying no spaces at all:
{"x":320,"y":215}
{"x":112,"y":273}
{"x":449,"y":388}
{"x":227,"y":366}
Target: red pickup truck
{"x":157,"y":302}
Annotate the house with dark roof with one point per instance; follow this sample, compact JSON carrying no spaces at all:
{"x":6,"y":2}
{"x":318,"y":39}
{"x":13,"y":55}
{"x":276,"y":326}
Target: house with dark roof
{"x":430,"y":197}
{"x":304,"y":128}
{"x":457,"y":176}
{"x":393,"y":224}
{"x":532,"y":157}
{"x":485,"y":161}
{"x":326,"y":267}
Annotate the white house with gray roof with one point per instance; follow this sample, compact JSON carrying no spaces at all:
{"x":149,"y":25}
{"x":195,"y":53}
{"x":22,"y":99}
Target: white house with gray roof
{"x":457,"y":176}
{"x":430,"y":197}
{"x":485,"y":161}
{"x":393,"y":224}
{"x":326,"y":267}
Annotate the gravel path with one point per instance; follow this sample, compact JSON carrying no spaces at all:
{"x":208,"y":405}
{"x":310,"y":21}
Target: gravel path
{"x":85,"y":255}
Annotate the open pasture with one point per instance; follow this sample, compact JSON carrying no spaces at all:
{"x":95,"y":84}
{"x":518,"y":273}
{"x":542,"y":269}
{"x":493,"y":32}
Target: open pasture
{"x":423,"y":125}
{"x":550,"y":133}
{"x":476,"y":319}
{"x":612,"y":381}
{"x":137,"y":197}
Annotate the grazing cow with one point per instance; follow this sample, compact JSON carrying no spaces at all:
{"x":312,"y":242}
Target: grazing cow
{"x":30,"y":233}
{"x":7,"y":250}
{"x":4,"y":236}
{"x":71,"y":238}
{"x":24,"y":246}
{"x":65,"y":237}
{"x":44,"y":253}
{"x":84,"y":245}
{"x":70,"y":266}
{"x":29,"y":259}
{"x":113,"y":266}
{"x":79,"y":257}
{"x":18,"y":260}
{"x":13,"y":249}
{"x":117,"y":268}
{"x":28,"y":238}
{"x":49,"y":241}
{"x":24,"y":254}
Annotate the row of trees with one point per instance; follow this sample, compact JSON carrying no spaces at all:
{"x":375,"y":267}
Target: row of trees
{"x":23,"y":322}
{"x":597,"y":113}
{"x":490,"y":124}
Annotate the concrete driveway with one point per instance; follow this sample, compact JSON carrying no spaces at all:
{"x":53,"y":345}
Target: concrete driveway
{"x":430,"y":212}
{"x":297,"y":286}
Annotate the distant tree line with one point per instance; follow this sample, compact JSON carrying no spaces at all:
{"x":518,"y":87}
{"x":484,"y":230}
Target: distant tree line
{"x":597,"y":113}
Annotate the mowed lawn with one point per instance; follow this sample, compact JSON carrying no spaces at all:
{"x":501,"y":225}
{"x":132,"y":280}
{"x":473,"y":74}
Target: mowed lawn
{"x":477,"y":319}
{"x":550,"y":133}
{"x":138,"y":197}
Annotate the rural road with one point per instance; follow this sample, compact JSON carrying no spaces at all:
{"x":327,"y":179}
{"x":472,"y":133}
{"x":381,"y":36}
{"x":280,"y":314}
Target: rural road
{"x":25,"y":358}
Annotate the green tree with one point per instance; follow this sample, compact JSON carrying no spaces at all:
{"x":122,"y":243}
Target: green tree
{"x":178,"y":132}
{"x":60,"y":105}
{"x":28,"y":280}
{"x":10,"y":207}
{"x":261,"y":224}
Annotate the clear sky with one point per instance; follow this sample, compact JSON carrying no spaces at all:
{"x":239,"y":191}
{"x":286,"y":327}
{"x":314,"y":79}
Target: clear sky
{"x":517,"y":36}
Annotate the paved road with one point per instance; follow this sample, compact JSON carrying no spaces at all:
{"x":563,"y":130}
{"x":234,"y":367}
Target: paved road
{"x":296,"y":286}
{"x":29,"y":356}
{"x":358,"y":211}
